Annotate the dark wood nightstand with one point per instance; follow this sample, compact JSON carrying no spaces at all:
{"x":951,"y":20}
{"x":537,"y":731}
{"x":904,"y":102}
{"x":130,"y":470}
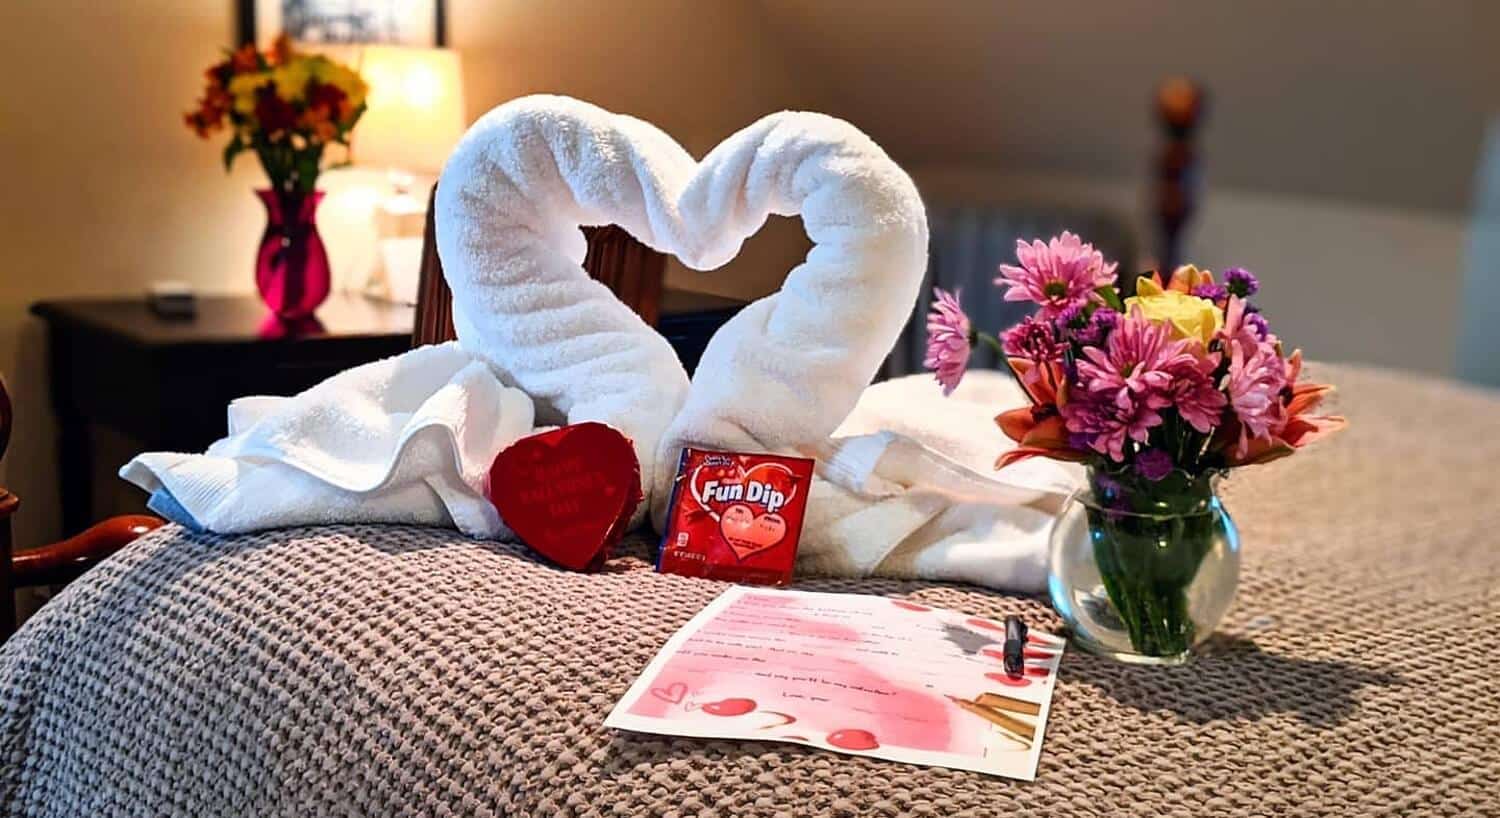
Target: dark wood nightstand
{"x":125,"y":380}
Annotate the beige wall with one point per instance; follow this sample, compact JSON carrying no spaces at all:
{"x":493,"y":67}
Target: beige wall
{"x":1339,"y":151}
{"x":1372,"y":101}
{"x":1345,"y":281}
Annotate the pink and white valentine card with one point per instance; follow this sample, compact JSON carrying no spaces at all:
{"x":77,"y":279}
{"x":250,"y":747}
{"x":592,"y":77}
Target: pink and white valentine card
{"x":856,"y":674}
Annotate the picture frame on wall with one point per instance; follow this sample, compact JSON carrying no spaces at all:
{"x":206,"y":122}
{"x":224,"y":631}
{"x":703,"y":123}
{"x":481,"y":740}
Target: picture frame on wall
{"x":421,"y":23}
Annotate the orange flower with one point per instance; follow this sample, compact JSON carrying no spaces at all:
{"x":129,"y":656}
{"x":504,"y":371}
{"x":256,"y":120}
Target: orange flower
{"x":319,"y":126}
{"x":281,"y":49}
{"x":1039,"y":428}
{"x":210,"y":114}
{"x":245,"y":60}
{"x":1299,"y":429}
{"x":1184,"y":279}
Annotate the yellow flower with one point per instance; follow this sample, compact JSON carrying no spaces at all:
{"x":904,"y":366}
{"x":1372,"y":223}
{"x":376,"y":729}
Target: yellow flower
{"x":1188,"y":315}
{"x":291,"y":80}
{"x":243,"y":87}
{"x":341,"y":77}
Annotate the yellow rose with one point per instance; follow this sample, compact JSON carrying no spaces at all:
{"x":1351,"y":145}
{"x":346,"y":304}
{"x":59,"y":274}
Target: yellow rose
{"x":243,"y":87}
{"x":1188,"y":315}
{"x":341,"y":77}
{"x":291,"y":80}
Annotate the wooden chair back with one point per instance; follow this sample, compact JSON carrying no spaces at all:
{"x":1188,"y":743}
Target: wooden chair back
{"x":56,"y":563}
{"x":629,"y":268}
{"x":8,"y":505}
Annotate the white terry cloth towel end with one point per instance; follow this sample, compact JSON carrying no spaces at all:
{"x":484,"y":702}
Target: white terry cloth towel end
{"x":409,"y":439}
{"x":908,"y":489}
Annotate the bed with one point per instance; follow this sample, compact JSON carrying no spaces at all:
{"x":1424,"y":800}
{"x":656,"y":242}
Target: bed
{"x":385,"y":670}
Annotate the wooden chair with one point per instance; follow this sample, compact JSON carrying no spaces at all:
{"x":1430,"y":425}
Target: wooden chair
{"x":59,"y":562}
{"x":632,"y":270}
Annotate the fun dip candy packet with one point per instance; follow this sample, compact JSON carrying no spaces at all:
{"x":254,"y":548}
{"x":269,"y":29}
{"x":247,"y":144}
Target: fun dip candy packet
{"x":736,"y":516}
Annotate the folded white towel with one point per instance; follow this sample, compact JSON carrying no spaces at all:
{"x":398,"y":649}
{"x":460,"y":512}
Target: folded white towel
{"x":408,"y":439}
{"x":909,"y":489}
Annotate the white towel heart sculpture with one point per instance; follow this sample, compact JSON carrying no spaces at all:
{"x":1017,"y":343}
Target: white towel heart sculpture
{"x":783,"y":375}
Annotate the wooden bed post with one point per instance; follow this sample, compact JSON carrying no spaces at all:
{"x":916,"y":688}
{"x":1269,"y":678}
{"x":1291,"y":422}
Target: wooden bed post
{"x":1180,"y":104}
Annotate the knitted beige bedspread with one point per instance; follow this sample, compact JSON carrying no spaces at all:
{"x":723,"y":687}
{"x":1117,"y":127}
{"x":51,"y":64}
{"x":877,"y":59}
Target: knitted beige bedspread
{"x":371,"y":671}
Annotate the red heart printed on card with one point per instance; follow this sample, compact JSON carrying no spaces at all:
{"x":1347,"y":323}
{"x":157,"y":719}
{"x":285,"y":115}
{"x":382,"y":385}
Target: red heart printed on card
{"x":568,"y":493}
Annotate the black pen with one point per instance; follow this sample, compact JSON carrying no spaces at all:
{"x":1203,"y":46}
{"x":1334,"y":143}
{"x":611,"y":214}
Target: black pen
{"x":1015,"y":645}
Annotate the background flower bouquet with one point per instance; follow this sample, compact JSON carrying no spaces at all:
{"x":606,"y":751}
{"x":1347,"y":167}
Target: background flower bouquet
{"x":287,"y":107}
{"x":1157,"y":393}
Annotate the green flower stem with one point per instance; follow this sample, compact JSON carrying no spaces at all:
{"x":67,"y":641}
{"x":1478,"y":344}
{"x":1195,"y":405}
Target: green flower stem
{"x":990,"y":341}
{"x":1149,"y":541}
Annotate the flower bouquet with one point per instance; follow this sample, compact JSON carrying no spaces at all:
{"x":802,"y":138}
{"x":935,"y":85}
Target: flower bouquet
{"x":288,"y":108}
{"x":1158,"y":394}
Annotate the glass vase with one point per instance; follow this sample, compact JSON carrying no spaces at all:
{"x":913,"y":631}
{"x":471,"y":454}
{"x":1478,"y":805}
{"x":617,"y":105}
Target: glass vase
{"x":291,"y":267}
{"x":1141,"y":570}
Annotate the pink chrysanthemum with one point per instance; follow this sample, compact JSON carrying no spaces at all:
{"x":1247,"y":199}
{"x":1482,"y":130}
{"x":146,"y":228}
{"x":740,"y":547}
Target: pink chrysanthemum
{"x":948,"y":343}
{"x":1240,"y":324}
{"x":1257,"y":376}
{"x":1138,"y":360}
{"x":1139,"y":371}
{"x":1032,"y":339}
{"x":1122,"y":385}
{"x":1057,"y":275}
{"x":1099,"y":421}
{"x":1200,"y":402}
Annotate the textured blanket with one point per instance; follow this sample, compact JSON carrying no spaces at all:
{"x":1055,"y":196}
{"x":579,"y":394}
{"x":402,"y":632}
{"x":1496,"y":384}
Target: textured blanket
{"x":383,"y":670}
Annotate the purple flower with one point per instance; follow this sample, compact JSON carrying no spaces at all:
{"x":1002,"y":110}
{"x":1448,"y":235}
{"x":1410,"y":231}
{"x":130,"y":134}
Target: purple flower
{"x":1241,"y":282}
{"x":1060,"y":274}
{"x":1070,"y":319}
{"x":1153,"y":464}
{"x":1212,"y":292}
{"x":1137,"y":360}
{"x":1257,"y":323}
{"x":1100,"y":324}
{"x":1032,"y":339}
{"x":948,"y":341}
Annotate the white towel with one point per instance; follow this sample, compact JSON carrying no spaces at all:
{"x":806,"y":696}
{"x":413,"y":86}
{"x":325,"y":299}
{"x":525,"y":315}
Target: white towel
{"x":910,"y":490}
{"x":408,"y":439}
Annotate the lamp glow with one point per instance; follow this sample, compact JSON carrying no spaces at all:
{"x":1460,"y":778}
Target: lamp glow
{"x":416,"y":108}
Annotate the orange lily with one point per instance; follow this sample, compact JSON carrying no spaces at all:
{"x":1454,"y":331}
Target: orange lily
{"x":1039,"y":428}
{"x":1300,"y":427}
{"x":1184,"y":279}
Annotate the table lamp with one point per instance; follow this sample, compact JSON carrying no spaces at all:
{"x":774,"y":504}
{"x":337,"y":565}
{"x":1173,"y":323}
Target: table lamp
{"x":415,"y":117}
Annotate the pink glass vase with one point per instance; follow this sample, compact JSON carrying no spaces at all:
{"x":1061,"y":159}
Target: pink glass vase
{"x":291,"y":268}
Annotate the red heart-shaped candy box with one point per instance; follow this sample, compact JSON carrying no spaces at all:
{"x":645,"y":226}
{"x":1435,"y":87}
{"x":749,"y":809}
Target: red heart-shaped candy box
{"x":568,"y":493}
